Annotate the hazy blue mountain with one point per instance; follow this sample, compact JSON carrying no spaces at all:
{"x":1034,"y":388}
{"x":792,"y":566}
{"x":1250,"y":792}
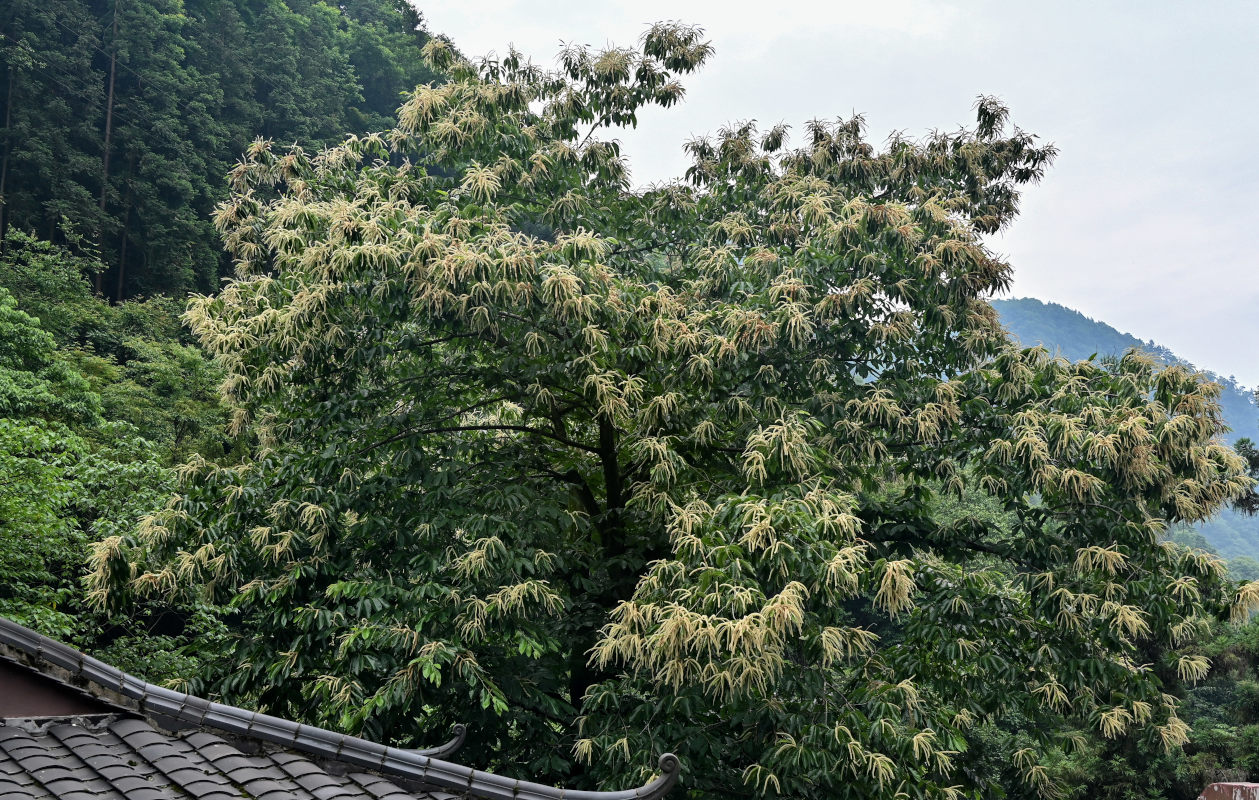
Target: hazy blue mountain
{"x":1069,"y":333}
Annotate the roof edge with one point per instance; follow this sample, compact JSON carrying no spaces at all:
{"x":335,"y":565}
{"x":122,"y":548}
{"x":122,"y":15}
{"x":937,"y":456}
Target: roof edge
{"x":426,"y":766}
{"x":443,"y":750}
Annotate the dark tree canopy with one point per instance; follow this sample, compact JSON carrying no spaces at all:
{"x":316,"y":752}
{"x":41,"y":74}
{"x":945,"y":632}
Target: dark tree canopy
{"x":120,"y":119}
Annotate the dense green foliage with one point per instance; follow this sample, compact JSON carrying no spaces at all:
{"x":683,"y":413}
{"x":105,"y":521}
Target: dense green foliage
{"x":96,"y":406}
{"x":676,"y":469}
{"x":39,"y":397}
{"x":119,"y":118}
{"x":1234,"y":531}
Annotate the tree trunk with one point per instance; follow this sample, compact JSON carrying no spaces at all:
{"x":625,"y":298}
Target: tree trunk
{"x":4,"y":163}
{"x":611,"y":527}
{"x":109,"y":129}
{"x":126,"y":218}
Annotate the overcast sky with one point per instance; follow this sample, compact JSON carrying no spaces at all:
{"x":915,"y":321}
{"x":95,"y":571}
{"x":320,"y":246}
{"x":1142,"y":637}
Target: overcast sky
{"x":1147,"y":219}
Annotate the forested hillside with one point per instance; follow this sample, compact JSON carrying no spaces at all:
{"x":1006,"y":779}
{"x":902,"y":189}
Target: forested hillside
{"x":98,"y":405}
{"x":1068,"y":332}
{"x":121,"y":118}
{"x":120,"y":123}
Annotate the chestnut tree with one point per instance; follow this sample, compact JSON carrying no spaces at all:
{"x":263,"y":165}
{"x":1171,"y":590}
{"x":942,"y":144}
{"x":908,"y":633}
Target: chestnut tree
{"x":605,"y":472}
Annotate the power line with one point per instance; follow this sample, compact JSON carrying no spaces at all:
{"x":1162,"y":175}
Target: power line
{"x":135,"y":114}
{"x":205,"y":30}
{"x":85,"y":37}
{"x":19,"y":45}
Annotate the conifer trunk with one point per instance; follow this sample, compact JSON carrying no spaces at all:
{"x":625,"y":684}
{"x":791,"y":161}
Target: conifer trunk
{"x":4,"y":163}
{"x":126,"y":218}
{"x":109,"y":128}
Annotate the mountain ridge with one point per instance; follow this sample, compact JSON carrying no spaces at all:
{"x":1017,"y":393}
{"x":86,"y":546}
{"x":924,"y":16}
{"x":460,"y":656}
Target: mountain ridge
{"x":1069,"y":333}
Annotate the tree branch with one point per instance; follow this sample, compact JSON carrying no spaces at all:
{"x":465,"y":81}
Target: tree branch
{"x":469,"y":428}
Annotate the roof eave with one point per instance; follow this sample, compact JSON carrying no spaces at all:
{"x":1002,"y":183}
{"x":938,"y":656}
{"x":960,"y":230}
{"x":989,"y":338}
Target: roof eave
{"x":164,"y":706}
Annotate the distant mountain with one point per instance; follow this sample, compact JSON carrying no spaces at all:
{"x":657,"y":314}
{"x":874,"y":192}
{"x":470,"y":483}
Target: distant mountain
{"x":1067,"y":332}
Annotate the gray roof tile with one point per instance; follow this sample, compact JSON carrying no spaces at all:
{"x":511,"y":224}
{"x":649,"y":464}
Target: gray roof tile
{"x":376,"y":787}
{"x":127,"y":759}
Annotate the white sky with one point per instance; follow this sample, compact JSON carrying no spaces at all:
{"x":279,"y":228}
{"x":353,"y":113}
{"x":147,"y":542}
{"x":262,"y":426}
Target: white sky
{"x":1147,"y":218}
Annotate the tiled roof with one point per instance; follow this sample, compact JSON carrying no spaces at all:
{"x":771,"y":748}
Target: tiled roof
{"x":119,"y":758}
{"x":167,"y":745}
